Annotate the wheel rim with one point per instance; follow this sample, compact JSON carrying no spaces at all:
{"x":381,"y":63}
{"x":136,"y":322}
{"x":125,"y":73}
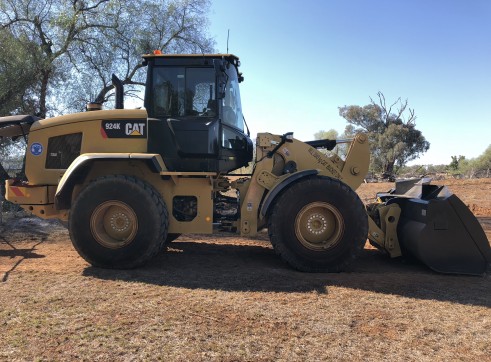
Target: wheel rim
{"x":319,"y":226}
{"x":114,"y":224}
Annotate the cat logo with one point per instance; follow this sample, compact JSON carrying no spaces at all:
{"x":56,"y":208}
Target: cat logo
{"x":136,"y":128}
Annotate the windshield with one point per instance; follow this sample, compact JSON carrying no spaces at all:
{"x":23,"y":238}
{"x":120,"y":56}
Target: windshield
{"x":232,"y":108}
{"x":181,"y":92}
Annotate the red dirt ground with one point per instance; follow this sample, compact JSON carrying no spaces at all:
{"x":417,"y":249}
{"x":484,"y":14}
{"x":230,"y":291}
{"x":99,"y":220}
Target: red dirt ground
{"x":226,"y":298}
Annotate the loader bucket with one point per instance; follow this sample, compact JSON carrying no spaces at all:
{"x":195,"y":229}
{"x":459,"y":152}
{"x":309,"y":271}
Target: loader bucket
{"x":438,"y":229}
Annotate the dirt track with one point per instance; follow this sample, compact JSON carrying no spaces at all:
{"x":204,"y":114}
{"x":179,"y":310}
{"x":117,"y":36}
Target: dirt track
{"x":228,"y":298}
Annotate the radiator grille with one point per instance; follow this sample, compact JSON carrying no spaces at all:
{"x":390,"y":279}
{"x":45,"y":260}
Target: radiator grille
{"x":62,"y":150}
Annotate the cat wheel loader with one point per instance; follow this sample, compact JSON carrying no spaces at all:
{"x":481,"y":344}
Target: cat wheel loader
{"x":129,"y":181}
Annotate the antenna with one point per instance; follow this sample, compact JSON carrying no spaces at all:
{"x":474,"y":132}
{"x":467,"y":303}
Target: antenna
{"x":228,"y":35}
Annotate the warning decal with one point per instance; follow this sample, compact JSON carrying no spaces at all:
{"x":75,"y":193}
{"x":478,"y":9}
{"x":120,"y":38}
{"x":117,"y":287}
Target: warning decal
{"x":124,"y":129}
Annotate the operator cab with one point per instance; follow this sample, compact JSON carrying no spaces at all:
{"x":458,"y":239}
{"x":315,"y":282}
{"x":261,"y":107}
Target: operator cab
{"x":195,"y":114}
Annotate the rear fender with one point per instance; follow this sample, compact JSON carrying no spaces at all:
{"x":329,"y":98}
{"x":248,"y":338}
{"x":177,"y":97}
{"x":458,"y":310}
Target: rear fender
{"x":80,"y":167}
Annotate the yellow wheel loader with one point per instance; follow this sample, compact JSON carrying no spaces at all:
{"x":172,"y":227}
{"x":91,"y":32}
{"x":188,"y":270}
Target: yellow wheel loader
{"x":130,"y":181}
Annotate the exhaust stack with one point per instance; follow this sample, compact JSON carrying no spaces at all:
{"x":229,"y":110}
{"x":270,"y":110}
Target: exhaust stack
{"x":94,"y":106}
{"x":118,"y":86}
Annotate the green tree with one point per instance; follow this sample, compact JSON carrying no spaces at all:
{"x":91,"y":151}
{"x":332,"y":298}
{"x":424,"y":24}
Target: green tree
{"x":54,"y":26}
{"x":454,"y":165}
{"x":11,"y":160}
{"x":479,"y":166}
{"x":332,"y":134}
{"x":178,"y":26}
{"x":78,"y":44}
{"x":484,"y":160}
{"x":18,"y":74}
{"x":394,"y":139}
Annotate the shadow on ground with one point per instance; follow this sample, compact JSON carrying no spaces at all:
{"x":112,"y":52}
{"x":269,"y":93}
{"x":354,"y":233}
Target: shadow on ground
{"x":18,"y":255}
{"x":228,"y":267}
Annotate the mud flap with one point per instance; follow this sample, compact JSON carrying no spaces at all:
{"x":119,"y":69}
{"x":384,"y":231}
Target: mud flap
{"x":440,"y":231}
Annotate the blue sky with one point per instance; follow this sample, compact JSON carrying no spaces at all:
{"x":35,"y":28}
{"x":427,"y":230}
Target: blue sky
{"x":304,"y":59}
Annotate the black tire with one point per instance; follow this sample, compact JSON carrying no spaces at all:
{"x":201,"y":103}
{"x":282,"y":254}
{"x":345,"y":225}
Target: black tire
{"x":118,"y":222}
{"x":171,"y":238}
{"x":318,"y":224}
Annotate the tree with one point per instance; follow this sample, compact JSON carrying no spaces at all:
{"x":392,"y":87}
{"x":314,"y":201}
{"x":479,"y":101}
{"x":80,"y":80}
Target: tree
{"x":171,"y":27}
{"x":332,"y":134}
{"x":11,"y":159}
{"x":454,"y":165}
{"x":483,"y":162}
{"x":54,"y":26}
{"x":79,"y":43}
{"x":394,"y":139}
{"x":476,"y":167}
{"x":18,"y":74}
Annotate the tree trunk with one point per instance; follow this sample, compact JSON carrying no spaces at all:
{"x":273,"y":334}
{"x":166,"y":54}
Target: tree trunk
{"x":43,"y":110}
{"x":101,"y":97}
{"x":389,"y":170}
{"x":3,"y":176}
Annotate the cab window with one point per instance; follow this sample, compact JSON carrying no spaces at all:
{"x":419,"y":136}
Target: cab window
{"x":231,"y":106}
{"x":184,"y":92}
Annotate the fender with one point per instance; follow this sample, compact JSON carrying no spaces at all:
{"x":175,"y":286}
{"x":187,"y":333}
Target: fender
{"x":81,"y":165}
{"x":275,"y":191}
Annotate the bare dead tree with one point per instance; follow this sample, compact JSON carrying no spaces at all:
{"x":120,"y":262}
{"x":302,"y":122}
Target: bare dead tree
{"x":387,"y":114}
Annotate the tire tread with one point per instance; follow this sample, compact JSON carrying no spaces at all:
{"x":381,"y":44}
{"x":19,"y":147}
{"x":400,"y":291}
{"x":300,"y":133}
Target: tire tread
{"x":282,"y":202}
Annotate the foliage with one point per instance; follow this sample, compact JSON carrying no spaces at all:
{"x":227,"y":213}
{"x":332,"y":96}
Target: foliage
{"x":11,"y":160}
{"x":71,"y":48}
{"x":19,"y":70}
{"x":470,"y":168}
{"x":454,"y":165}
{"x":394,"y":139}
{"x":12,"y":153}
{"x":332,"y":134}
{"x":422,"y":170}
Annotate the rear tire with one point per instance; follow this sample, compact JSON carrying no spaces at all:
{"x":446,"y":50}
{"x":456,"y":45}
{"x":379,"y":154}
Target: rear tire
{"x":318,"y":224}
{"x":118,"y":222}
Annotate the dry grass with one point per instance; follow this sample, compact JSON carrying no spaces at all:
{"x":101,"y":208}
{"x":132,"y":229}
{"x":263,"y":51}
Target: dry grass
{"x":229,"y":299}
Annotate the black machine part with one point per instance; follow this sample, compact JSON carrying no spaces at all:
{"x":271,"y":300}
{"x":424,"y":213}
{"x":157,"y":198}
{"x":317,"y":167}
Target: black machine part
{"x":16,"y":126}
{"x":438,"y":229}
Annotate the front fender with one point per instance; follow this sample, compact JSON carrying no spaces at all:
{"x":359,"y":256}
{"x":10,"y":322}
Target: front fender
{"x":277,"y":189}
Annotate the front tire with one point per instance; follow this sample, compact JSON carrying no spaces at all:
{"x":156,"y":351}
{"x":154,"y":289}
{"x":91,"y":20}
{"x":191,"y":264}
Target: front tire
{"x":319,"y":224}
{"x":118,"y":222}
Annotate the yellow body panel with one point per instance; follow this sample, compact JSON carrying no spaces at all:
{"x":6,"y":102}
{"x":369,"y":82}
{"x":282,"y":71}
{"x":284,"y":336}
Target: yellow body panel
{"x":87,"y":123}
{"x":169,"y":185}
{"x":201,"y":188}
{"x":37,"y":199}
{"x":29,"y":195}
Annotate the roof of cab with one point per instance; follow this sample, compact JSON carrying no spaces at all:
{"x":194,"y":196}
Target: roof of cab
{"x":146,"y":56}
